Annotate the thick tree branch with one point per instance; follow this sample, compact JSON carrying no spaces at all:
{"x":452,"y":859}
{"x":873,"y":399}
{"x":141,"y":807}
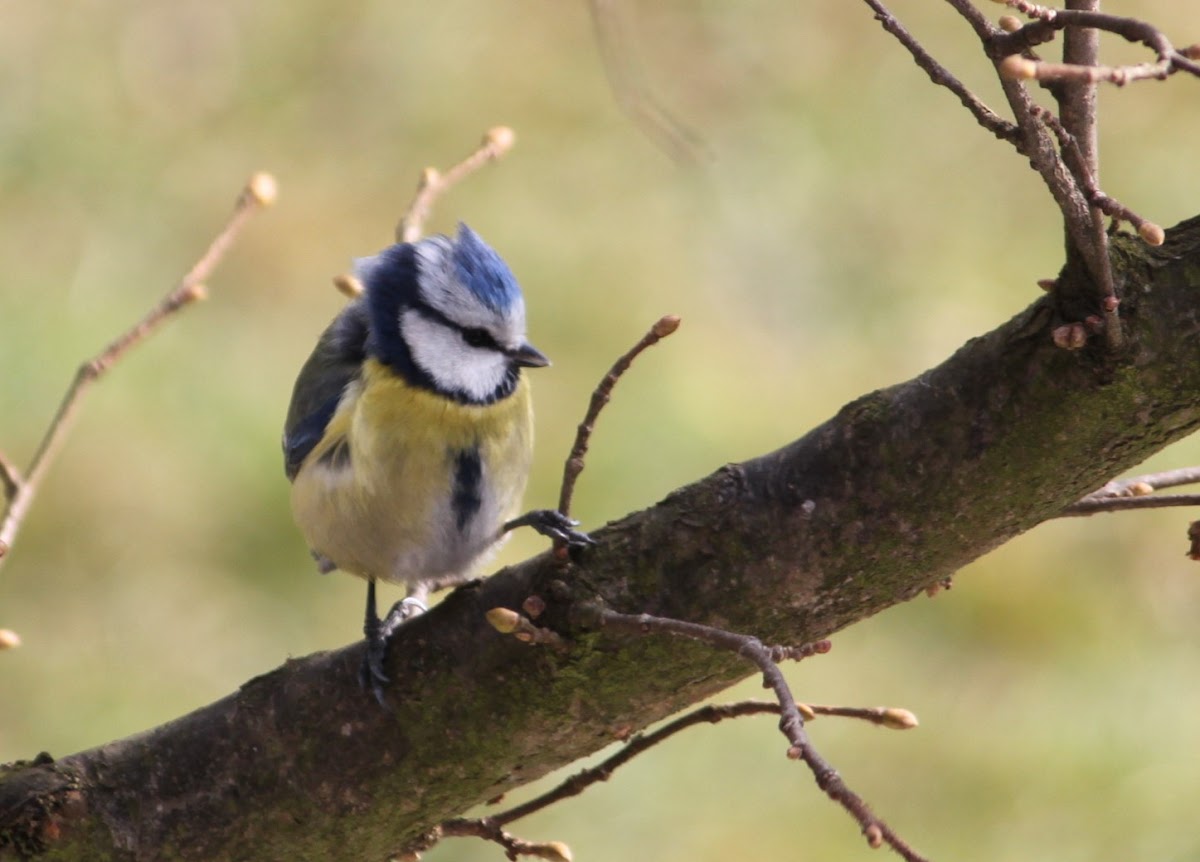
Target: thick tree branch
{"x":900,"y":489}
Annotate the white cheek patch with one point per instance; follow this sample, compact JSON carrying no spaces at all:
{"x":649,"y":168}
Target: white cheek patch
{"x":452,"y":363}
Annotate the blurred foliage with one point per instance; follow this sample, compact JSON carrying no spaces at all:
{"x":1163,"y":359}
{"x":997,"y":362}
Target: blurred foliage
{"x":853,"y":228}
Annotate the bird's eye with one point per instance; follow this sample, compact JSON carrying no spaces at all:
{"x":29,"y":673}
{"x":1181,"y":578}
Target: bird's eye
{"x":478,"y":337}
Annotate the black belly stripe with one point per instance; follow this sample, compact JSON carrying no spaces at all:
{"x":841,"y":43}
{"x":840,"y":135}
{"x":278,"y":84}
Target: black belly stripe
{"x":468,"y":481}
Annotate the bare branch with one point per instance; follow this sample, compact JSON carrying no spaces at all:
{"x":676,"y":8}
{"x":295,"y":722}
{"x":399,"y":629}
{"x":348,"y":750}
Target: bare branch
{"x":432,"y":185}
{"x":1140,"y":486}
{"x":663,"y":327}
{"x":1135,"y":493}
{"x":1168,"y":59}
{"x":940,"y":75}
{"x":487,"y":828}
{"x":1077,"y":100}
{"x":259,"y":192}
{"x":10,"y":477}
{"x":1095,"y":505}
{"x":791,"y":722}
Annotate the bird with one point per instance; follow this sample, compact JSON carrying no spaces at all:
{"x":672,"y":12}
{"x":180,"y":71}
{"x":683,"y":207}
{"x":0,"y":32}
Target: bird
{"x":409,"y":436}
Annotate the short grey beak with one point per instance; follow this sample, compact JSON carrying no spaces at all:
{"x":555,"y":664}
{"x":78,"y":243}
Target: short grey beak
{"x":528,"y":356}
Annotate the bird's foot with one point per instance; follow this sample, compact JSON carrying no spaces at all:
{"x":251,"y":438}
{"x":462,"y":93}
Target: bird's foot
{"x":371,"y":675}
{"x":554,"y":525}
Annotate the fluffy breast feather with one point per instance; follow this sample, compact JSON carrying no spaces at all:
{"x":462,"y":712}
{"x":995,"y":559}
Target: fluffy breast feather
{"x":379,"y":494}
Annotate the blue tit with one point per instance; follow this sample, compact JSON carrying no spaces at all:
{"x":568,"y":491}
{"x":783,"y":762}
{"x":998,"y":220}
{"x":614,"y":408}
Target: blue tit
{"x":409,"y":436}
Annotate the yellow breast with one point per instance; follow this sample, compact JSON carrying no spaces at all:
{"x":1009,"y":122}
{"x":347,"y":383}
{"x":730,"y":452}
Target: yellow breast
{"x":381,"y":495}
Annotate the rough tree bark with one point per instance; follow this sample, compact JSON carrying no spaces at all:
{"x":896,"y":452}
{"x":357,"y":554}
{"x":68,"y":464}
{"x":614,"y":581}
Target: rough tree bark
{"x":898,"y":491}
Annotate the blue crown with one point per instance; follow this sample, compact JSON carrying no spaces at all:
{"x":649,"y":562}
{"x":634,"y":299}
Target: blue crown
{"x":482,"y":271}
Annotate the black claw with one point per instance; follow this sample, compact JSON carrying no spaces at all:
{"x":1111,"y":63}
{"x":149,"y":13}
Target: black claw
{"x":554,"y":525}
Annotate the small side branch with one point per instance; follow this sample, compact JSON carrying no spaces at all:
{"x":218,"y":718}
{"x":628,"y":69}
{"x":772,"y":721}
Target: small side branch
{"x":433,"y":184}
{"x":1096,"y":505}
{"x":259,"y":192}
{"x":791,"y":722}
{"x":1168,"y":59}
{"x":487,"y":828}
{"x":600,"y":396}
{"x":940,"y":75}
{"x":1140,"y":486}
{"x":1136,"y":493}
{"x":491,"y":827}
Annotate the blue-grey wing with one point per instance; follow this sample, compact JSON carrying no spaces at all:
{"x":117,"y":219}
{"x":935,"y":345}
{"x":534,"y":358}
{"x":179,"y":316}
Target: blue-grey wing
{"x":335,"y":362}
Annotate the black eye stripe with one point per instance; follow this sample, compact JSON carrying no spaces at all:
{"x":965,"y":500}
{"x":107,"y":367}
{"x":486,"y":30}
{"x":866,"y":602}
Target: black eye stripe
{"x":472,"y":335}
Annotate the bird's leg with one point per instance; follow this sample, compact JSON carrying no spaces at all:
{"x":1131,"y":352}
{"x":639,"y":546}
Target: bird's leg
{"x":552,"y":524}
{"x":379,"y":633}
{"x":371,"y":675}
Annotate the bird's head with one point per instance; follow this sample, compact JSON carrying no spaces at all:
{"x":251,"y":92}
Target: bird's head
{"x":448,"y":314}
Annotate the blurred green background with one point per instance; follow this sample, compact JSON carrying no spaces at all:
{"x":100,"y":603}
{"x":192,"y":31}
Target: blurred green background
{"x":852,"y":228}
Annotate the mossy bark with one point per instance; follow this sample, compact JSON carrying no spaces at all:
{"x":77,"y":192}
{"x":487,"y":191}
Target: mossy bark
{"x":898,"y":491}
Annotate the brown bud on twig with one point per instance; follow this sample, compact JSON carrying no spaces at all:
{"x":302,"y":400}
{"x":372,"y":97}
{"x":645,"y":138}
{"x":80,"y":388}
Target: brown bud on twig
{"x":348,"y":285}
{"x":193,"y":293}
{"x":1069,"y":336}
{"x":500,"y":139}
{"x":1140,"y":489}
{"x":553,"y":851}
{"x":1017,"y":68}
{"x":262,"y":189}
{"x":1047,"y":284}
{"x":504,"y":620}
{"x":534,"y":606}
{"x":666,"y":325}
{"x":899,"y":719}
{"x":1151,"y":233}
{"x":1010,"y":23}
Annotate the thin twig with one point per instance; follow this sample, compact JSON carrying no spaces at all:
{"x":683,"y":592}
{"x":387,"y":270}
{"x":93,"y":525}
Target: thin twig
{"x":889,"y":717}
{"x":1095,"y":505}
{"x":1077,"y":100}
{"x":1168,"y":59}
{"x":627,"y":78}
{"x":1075,"y":160}
{"x":1075,"y":157}
{"x":10,"y":477}
{"x":432,"y":185}
{"x":574,"y":464}
{"x":791,"y":722}
{"x":258,"y":193}
{"x":1038,"y":146}
{"x":1140,"y":486}
{"x":1136,"y":493}
{"x":637,"y":744}
{"x":1077,"y":108}
{"x":487,"y":828}
{"x":942,"y":76}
